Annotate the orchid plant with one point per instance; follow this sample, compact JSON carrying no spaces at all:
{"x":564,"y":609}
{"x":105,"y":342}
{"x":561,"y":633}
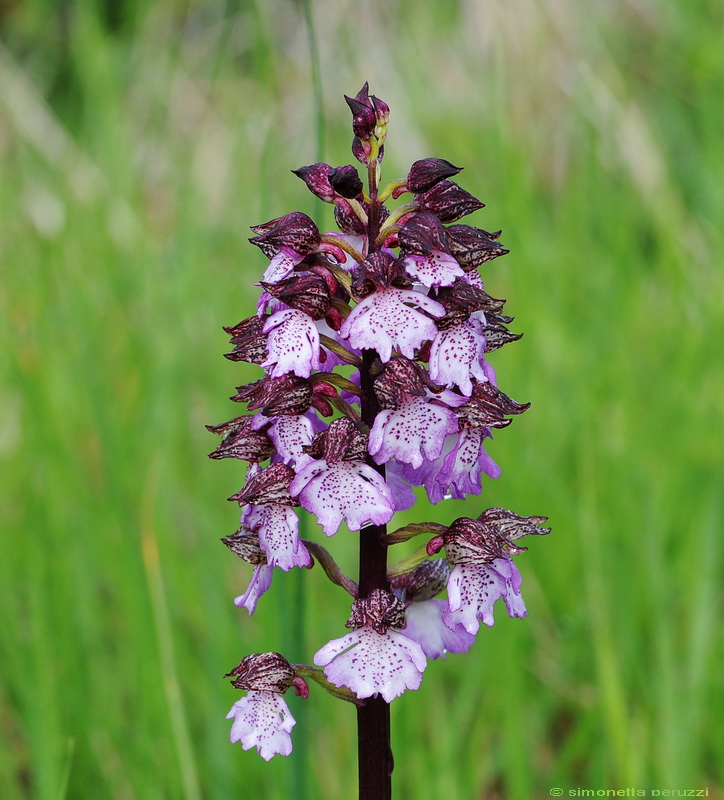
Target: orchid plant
{"x":374,"y":343}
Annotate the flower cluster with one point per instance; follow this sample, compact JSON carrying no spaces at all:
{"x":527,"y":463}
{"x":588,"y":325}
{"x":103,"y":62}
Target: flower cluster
{"x":374,"y":342}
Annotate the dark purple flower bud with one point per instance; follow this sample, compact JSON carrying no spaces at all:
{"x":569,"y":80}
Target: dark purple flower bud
{"x":400,"y":379}
{"x":381,"y":610}
{"x":496,"y":334}
{"x":448,"y":202}
{"x":382,"y":112}
{"x":362,"y":151}
{"x":487,"y":407}
{"x":242,"y":441}
{"x":262,"y":672}
{"x":286,"y":395}
{"x":346,"y":182}
{"x":249,"y":340}
{"x":423,"y":583}
{"x":295,"y":231}
{"x":308,"y":293}
{"x":422,"y":234}
{"x":347,"y":221}
{"x":424,"y":174}
{"x":316,"y":176}
{"x":473,"y":246}
{"x":341,"y":441}
{"x":364,"y":118}
{"x":379,"y":270}
{"x":246,"y":546}
{"x":271,"y":485}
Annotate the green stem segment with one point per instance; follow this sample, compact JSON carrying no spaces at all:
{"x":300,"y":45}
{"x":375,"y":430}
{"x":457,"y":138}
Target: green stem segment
{"x":373,"y":718}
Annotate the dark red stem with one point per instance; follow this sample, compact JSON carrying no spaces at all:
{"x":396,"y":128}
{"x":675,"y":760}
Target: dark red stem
{"x":373,"y":718}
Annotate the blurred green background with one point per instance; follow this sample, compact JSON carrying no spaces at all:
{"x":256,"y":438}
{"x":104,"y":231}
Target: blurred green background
{"x":138,"y":143}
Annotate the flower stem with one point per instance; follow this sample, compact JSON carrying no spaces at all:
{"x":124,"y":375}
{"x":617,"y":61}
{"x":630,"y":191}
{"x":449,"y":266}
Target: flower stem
{"x":373,"y":718}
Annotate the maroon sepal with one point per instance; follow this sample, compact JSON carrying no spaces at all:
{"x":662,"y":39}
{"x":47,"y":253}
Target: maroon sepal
{"x":308,"y":293}
{"x":286,"y":395}
{"x":468,"y":541}
{"x":512,"y":527}
{"x":262,"y":672}
{"x":424,"y":174}
{"x":249,"y":340}
{"x":423,"y":233}
{"x":380,"y":609}
{"x":496,"y":333}
{"x":341,"y":441}
{"x":271,"y":485}
{"x":461,"y":300}
{"x":316,"y":176}
{"x":448,"y":202}
{"x":246,"y":546}
{"x":242,"y":441}
{"x":346,"y":182}
{"x":488,"y":406}
{"x":400,"y":378}
{"x":378,"y":271}
{"x":473,"y":246}
{"x":423,"y":582}
{"x":295,"y":231}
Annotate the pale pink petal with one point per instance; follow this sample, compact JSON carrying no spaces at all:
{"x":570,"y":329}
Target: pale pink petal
{"x":281,"y":265}
{"x":434,"y":269}
{"x":425,"y":626}
{"x":463,"y":467}
{"x":290,"y":433}
{"x":262,"y":720}
{"x":473,"y":589}
{"x":260,"y":581}
{"x":412,"y":433}
{"x":278,"y":529}
{"x":292,"y":344}
{"x":387,"y":319}
{"x":456,"y":356}
{"x":373,"y":663}
{"x":348,"y":490}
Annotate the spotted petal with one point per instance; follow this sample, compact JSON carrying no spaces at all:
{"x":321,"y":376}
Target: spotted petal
{"x":292,"y":345}
{"x":262,"y":720}
{"x":433,"y":269}
{"x":411,"y":433}
{"x":347,"y":490}
{"x":290,"y":434}
{"x":473,"y":589}
{"x":391,"y":318}
{"x":370,"y":663}
{"x":456,"y":356}
{"x":278,"y":529}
